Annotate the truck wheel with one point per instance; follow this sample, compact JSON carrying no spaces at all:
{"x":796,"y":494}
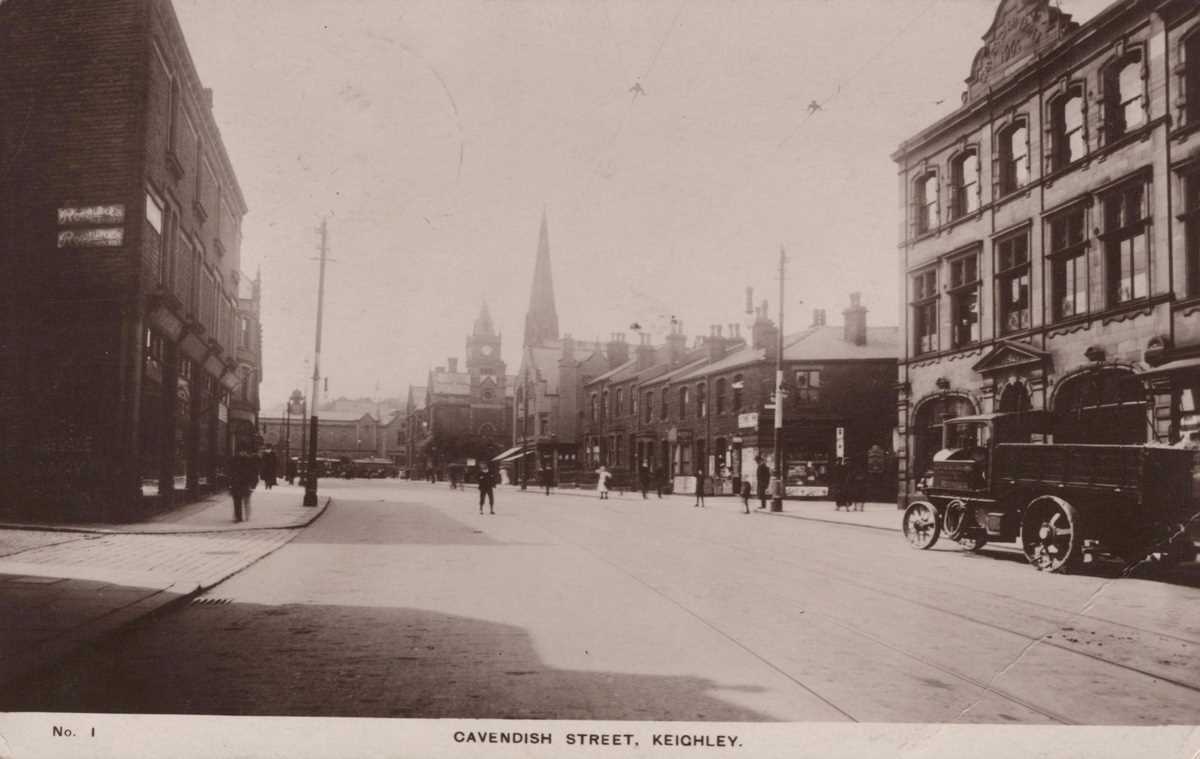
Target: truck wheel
{"x":921,"y":525}
{"x":1050,"y":534}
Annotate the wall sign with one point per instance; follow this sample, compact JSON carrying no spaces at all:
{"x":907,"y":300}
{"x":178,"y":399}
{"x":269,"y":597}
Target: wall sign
{"x":112,"y":214}
{"x":96,"y":237}
{"x":748,"y":421}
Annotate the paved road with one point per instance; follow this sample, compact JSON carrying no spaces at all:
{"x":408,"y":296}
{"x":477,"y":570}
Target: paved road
{"x":402,"y":601}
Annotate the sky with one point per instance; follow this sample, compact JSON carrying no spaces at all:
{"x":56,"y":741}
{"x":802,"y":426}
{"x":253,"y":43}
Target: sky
{"x":432,"y":136}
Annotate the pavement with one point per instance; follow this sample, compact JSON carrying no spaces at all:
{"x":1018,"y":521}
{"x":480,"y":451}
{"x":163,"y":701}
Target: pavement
{"x":64,"y":587}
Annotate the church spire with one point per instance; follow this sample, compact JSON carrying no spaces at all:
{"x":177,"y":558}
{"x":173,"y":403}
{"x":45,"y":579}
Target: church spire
{"x":541,"y":320}
{"x":483,"y":322}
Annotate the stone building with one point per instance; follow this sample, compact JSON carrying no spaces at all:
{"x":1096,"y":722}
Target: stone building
{"x":120,"y":236}
{"x":708,"y":407}
{"x":1050,"y":249}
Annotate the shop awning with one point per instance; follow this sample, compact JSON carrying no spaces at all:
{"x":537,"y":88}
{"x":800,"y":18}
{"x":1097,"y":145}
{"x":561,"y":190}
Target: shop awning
{"x":510,"y":454}
{"x":1179,"y":365}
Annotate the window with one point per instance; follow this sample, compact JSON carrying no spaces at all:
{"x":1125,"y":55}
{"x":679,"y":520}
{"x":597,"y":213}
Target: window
{"x":683,"y":403}
{"x":595,"y":407}
{"x":925,"y":201}
{"x":1126,"y":243}
{"x":719,"y":395}
{"x":1191,"y":220}
{"x":964,"y":300}
{"x":1107,"y":405}
{"x":1191,"y":78}
{"x":1067,"y":135}
{"x":648,"y":407}
{"x":633,"y":402}
{"x":1123,"y":89}
{"x":808,"y":386}
{"x":604,"y":408}
{"x":964,"y":176}
{"x":1012,"y":282}
{"x":925,"y":313}
{"x":666,"y":402}
{"x":1068,"y":263}
{"x":738,"y":385}
{"x":618,"y":407}
{"x":154,"y":212}
{"x":927,"y":429}
{"x":701,"y":409}
{"x":1014,"y":157}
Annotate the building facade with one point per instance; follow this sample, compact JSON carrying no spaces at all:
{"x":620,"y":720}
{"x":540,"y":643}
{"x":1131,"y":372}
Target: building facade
{"x":121,"y":231}
{"x":710,"y":407}
{"x":1050,"y":249}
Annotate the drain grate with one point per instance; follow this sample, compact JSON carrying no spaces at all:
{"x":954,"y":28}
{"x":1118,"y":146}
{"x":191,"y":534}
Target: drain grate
{"x":210,"y":601}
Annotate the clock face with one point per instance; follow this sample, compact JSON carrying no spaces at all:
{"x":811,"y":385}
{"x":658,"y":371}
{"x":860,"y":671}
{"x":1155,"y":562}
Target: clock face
{"x":486,"y":350}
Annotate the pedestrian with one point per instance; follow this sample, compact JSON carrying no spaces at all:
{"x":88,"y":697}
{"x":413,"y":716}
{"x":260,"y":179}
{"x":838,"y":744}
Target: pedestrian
{"x":243,"y":477}
{"x":763,"y":475}
{"x":644,"y":480}
{"x":746,"y":495}
{"x":289,"y":470}
{"x":602,"y":475}
{"x":660,"y":482}
{"x":856,"y":486}
{"x":547,"y":475}
{"x":487,"y":489}
{"x":700,"y":482}
{"x":839,"y":482}
{"x":270,"y":468}
{"x":452,"y":475}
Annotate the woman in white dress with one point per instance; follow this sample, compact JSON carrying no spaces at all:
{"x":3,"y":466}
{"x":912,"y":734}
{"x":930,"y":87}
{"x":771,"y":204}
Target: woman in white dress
{"x":602,"y":475}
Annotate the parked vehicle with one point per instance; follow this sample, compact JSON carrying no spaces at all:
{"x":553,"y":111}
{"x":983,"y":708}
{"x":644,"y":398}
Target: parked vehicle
{"x":374,"y":467}
{"x":1062,"y":502}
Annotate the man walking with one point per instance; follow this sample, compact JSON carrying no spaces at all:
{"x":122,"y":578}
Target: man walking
{"x":700,"y":482}
{"x":763,"y":474}
{"x":243,"y":476}
{"x":644,"y":480}
{"x":487,"y":487}
{"x":547,"y":478}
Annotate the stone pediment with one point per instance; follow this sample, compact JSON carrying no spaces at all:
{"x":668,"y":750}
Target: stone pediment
{"x":1008,"y":354}
{"x":1020,"y":29}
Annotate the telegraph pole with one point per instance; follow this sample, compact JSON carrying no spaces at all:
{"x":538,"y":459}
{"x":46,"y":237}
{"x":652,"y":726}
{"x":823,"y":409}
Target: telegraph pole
{"x":310,"y":483}
{"x":777,"y":499}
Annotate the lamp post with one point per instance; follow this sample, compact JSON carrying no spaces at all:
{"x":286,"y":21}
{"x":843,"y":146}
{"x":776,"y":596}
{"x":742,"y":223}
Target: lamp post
{"x":310,"y":485}
{"x":777,"y":495}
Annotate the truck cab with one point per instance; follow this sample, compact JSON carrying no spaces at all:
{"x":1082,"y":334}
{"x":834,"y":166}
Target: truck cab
{"x":964,"y":464}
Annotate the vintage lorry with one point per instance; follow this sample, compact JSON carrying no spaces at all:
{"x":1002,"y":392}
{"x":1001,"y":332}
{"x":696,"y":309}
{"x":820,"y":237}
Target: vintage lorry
{"x":1064,"y":503}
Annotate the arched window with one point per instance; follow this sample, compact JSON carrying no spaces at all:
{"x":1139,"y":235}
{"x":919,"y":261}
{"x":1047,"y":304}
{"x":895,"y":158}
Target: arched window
{"x":487,"y":431}
{"x":719,"y":395}
{"x":1123,"y":91}
{"x":1066,"y":122}
{"x":1104,"y":405}
{"x":738,"y":385}
{"x":964,"y":178}
{"x":1015,"y":398}
{"x":927,"y":428}
{"x":1014,"y":157}
{"x":700,"y":401}
{"x":683,"y":402}
{"x":925,"y":203}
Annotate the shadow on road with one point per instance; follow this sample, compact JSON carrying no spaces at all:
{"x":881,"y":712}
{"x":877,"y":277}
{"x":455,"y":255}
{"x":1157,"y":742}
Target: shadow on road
{"x":227,"y":658}
{"x":399,"y":523}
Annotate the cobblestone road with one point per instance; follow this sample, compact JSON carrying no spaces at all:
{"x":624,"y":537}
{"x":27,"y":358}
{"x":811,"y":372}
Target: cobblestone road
{"x":403,"y":601}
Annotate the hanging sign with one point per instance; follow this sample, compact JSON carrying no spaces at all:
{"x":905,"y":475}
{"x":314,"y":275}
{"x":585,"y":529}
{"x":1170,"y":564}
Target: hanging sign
{"x":841,"y":442}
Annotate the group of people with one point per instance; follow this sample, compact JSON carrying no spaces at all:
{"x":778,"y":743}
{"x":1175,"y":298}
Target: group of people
{"x":849,"y":485}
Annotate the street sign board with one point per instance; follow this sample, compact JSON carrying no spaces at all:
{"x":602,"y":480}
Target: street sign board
{"x":841,"y":442}
{"x":748,"y":421}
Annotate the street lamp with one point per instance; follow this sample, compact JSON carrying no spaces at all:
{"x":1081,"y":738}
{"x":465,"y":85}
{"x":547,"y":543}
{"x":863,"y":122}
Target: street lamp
{"x":310,"y":485}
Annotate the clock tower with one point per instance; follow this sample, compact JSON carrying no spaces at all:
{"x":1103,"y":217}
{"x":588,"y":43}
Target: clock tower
{"x":483,"y":361}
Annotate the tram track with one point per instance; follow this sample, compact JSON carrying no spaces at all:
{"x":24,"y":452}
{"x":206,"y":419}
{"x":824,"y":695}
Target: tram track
{"x":828,"y":571}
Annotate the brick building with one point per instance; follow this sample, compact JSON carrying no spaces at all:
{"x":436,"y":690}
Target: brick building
{"x":1050,"y":250}
{"x":679,"y":409}
{"x":120,"y":237}
{"x":352,"y":428}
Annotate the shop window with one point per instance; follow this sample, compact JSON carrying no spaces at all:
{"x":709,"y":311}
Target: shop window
{"x":1014,"y":157}
{"x":925,"y":202}
{"x":964,"y":300}
{"x":1191,"y":78}
{"x":808,"y":386}
{"x":1067,"y":140}
{"x":964,"y":179}
{"x":1102,"y":406}
{"x":1191,"y":220}
{"x":1126,"y":243}
{"x":1012,"y":282}
{"x":719,"y":395}
{"x":1068,"y":254}
{"x":927,"y":428}
{"x":924,"y":312}
{"x":1123,"y":96}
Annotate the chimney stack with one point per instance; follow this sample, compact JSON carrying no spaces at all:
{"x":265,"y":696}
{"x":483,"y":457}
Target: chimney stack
{"x":676,"y":343}
{"x":818,"y":317}
{"x":764,"y":333}
{"x":856,"y":321}
{"x":452,"y":363}
{"x":617,"y":350}
{"x":645,"y":352}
